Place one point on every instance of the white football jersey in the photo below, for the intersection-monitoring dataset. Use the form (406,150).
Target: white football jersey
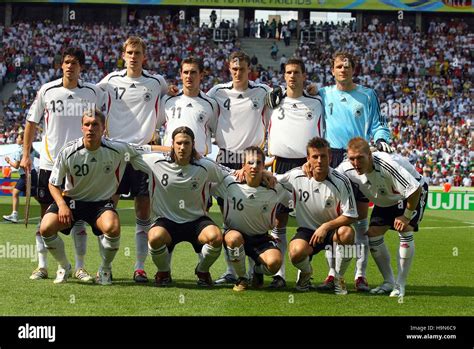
(242,122)
(198,113)
(93,175)
(133,111)
(393,179)
(247,209)
(179,193)
(62,109)
(319,202)
(292,124)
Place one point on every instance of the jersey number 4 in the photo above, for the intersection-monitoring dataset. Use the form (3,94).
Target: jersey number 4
(227,104)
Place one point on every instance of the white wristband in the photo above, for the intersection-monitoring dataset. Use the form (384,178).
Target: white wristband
(408,213)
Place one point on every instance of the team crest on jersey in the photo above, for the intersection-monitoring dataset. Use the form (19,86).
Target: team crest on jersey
(255,103)
(194,185)
(264,208)
(329,202)
(358,111)
(201,117)
(309,115)
(107,167)
(147,97)
(381,191)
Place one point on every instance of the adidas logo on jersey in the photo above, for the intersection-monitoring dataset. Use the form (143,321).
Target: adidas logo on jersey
(295,106)
(93,160)
(133,86)
(189,105)
(240,96)
(251,196)
(180,175)
(316,190)
(70,97)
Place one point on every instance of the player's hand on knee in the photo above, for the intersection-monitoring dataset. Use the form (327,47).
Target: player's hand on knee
(401,223)
(384,146)
(64,214)
(318,236)
(273,98)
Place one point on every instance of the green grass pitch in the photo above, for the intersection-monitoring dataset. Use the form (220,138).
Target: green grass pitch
(439,284)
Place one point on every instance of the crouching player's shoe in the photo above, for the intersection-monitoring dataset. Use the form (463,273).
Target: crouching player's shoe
(327,285)
(225,279)
(39,273)
(398,291)
(163,279)
(241,285)
(62,275)
(385,288)
(278,282)
(204,278)
(82,275)
(103,277)
(303,284)
(362,285)
(140,276)
(340,286)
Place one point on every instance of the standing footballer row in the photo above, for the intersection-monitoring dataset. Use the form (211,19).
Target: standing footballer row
(309,134)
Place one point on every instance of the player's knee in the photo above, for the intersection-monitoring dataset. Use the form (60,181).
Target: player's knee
(274,264)
(297,252)
(346,235)
(215,237)
(233,239)
(111,229)
(158,237)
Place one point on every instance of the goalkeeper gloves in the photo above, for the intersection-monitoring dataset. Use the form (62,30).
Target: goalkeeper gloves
(273,98)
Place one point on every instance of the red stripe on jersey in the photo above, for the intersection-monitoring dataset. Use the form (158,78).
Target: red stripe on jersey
(272,216)
(47,117)
(319,127)
(156,106)
(203,195)
(394,191)
(109,103)
(226,210)
(338,208)
(117,173)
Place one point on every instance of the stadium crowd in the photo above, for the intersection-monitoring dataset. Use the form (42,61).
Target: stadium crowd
(423,79)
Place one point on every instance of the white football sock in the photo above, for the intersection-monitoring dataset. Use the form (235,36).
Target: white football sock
(342,262)
(209,256)
(362,247)
(237,259)
(405,256)
(161,258)
(55,246)
(331,259)
(111,246)
(141,241)
(304,265)
(280,235)
(79,235)
(230,268)
(380,253)
(41,249)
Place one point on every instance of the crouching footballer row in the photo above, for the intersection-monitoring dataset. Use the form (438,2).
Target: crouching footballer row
(88,171)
